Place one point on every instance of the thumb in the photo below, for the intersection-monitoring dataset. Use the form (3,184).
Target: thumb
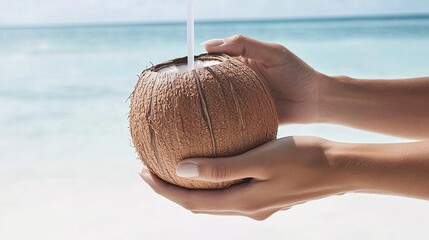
(238,45)
(218,169)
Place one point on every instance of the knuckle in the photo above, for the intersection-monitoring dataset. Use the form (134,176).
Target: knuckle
(157,190)
(282,51)
(193,203)
(260,217)
(279,47)
(188,203)
(263,215)
(188,206)
(220,171)
(237,38)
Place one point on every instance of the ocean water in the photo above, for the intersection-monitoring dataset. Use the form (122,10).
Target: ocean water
(67,168)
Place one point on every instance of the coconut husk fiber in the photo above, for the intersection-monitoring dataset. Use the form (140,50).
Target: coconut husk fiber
(216,111)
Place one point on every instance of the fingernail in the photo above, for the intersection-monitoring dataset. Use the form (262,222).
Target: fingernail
(213,42)
(187,170)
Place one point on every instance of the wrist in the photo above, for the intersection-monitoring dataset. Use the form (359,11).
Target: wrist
(335,92)
(395,169)
(360,166)
(343,161)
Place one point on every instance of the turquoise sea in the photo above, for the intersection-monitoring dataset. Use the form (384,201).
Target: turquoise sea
(67,168)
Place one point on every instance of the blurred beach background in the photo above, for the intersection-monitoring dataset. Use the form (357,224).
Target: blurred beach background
(67,167)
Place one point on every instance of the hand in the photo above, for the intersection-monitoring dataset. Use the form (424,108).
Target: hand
(293,83)
(303,95)
(282,173)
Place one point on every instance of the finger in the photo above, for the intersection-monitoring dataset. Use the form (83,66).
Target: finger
(163,188)
(238,45)
(231,199)
(220,169)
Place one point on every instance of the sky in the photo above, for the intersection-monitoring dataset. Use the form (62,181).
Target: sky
(30,12)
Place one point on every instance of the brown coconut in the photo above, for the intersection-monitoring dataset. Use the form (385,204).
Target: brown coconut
(216,111)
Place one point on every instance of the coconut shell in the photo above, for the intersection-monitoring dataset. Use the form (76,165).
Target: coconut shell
(217,111)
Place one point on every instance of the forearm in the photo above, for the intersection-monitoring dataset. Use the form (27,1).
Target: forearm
(396,107)
(397,169)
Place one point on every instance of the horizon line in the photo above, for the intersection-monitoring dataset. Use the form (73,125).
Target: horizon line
(217,21)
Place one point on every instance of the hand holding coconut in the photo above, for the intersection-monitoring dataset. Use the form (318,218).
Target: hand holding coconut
(281,174)
(295,170)
(293,84)
(304,95)
(290,171)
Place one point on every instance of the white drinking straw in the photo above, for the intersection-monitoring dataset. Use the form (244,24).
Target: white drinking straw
(190,31)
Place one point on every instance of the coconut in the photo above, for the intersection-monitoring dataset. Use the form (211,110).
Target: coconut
(220,109)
